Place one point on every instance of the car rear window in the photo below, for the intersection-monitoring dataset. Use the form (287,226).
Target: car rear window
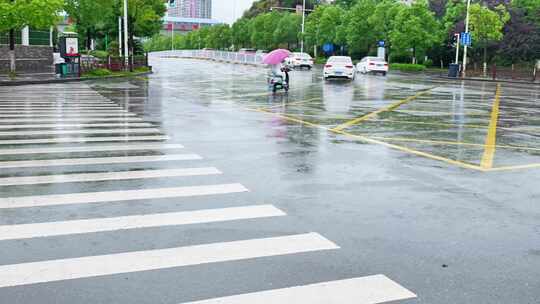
(340,60)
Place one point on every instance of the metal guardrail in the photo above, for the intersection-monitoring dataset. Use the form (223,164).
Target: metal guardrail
(232,57)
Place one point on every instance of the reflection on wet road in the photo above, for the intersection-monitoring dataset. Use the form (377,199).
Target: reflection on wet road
(441,120)
(197,185)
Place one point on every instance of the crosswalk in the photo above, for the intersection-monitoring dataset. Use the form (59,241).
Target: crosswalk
(105,137)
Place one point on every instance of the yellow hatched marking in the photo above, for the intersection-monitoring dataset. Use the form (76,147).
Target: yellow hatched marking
(382,110)
(491,137)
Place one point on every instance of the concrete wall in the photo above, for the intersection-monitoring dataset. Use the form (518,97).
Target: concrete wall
(34,58)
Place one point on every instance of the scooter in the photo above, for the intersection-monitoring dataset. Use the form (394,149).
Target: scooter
(278,82)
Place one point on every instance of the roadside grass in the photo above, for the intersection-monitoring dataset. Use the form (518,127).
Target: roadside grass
(108,73)
(407,67)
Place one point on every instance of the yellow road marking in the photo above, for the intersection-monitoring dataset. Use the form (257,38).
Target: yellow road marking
(291,103)
(385,109)
(491,137)
(427,123)
(441,113)
(373,141)
(456,143)
(519,167)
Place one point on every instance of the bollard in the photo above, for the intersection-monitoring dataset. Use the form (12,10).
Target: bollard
(494,71)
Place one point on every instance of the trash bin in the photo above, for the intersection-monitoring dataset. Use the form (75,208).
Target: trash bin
(453,70)
(59,69)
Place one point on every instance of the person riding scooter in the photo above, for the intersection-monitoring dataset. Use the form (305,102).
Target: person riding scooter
(279,78)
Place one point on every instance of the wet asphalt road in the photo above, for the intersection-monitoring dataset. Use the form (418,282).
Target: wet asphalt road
(412,193)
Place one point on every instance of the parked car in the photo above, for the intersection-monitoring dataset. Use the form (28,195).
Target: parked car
(300,60)
(372,65)
(339,67)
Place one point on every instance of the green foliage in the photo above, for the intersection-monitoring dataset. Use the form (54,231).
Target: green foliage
(415,29)
(145,17)
(99,54)
(34,13)
(487,25)
(407,67)
(98,73)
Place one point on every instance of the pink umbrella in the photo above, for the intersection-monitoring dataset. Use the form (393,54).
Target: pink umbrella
(276,56)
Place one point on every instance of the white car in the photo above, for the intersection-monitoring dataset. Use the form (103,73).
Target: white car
(300,60)
(372,65)
(339,67)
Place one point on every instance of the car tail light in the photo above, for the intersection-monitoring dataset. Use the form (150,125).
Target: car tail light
(386,64)
(328,66)
(349,66)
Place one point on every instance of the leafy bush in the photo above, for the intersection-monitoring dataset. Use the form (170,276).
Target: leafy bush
(99,54)
(428,63)
(98,73)
(407,67)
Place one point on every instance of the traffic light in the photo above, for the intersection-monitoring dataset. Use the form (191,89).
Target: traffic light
(172,3)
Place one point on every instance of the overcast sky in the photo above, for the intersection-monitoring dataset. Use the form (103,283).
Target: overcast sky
(223,10)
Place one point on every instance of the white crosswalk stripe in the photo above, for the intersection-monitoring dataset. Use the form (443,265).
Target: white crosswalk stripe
(92,266)
(86,125)
(39,107)
(95,161)
(69,115)
(65,119)
(60,111)
(117,196)
(108,148)
(106,176)
(58,140)
(363,290)
(81,111)
(24,231)
(87,131)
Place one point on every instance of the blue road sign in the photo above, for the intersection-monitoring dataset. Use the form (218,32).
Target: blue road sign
(466,39)
(381,43)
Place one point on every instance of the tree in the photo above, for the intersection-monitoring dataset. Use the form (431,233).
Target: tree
(144,18)
(90,16)
(415,29)
(240,33)
(382,20)
(313,28)
(487,25)
(359,33)
(331,19)
(287,30)
(17,14)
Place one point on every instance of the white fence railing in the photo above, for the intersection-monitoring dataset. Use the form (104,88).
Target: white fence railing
(232,57)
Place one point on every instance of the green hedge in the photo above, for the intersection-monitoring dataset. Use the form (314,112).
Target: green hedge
(407,67)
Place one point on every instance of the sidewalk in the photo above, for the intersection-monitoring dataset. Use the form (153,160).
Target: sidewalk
(44,78)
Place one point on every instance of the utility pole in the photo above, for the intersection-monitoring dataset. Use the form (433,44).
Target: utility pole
(126,45)
(303,25)
(120,45)
(465,45)
(457,37)
(172,36)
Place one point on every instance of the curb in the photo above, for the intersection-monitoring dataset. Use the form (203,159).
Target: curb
(66,80)
(490,80)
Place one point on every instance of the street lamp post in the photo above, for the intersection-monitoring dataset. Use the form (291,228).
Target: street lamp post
(303,25)
(465,45)
(126,45)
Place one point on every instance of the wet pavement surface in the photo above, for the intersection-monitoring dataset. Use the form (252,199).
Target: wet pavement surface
(197,183)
